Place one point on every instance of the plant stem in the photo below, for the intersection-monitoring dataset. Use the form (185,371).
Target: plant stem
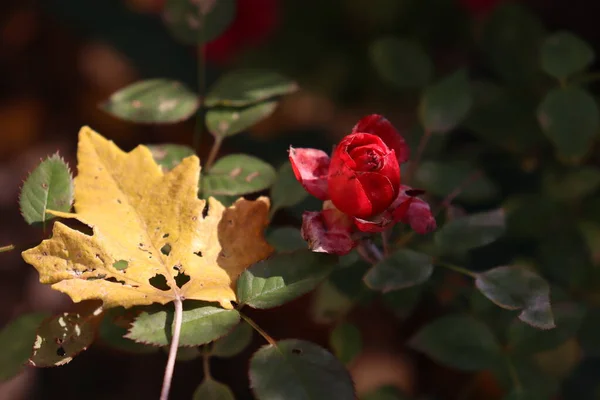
(164,394)
(514,377)
(458,190)
(456,268)
(7,248)
(412,167)
(206,363)
(213,153)
(199,130)
(259,330)
(385,240)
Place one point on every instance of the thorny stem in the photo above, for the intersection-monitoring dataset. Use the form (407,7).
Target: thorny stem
(259,330)
(412,167)
(7,248)
(213,152)
(164,395)
(201,88)
(456,268)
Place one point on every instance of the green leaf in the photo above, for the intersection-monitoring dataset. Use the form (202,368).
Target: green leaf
(590,332)
(531,380)
(61,338)
(48,187)
(16,340)
(346,342)
(236,175)
(234,342)
(572,185)
(286,239)
(222,122)
(298,370)
(282,277)
(387,392)
(517,288)
(154,101)
(242,88)
(520,394)
(402,269)
(512,37)
(565,54)
(441,179)
(210,389)
(458,341)
(286,191)
(328,304)
(114,327)
(525,340)
(196,22)
(168,155)
(475,230)
(201,324)
(570,119)
(403,302)
(446,103)
(401,62)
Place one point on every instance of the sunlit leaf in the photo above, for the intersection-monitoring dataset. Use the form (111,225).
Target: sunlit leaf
(168,155)
(300,370)
(48,187)
(222,122)
(154,101)
(210,389)
(238,174)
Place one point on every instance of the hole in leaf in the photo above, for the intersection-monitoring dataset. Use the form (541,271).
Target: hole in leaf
(205,210)
(119,201)
(414,192)
(120,265)
(296,351)
(115,280)
(166,249)
(198,253)
(61,352)
(166,235)
(181,279)
(160,282)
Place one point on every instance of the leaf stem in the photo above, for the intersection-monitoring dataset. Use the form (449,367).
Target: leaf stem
(412,167)
(206,362)
(456,268)
(385,240)
(514,377)
(164,395)
(370,252)
(213,153)
(458,190)
(7,248)
(199,129)
(259,330)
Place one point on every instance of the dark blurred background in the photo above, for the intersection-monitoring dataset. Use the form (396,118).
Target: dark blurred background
(60,58)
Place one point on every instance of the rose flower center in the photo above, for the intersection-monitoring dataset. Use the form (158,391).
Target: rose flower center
(367,158)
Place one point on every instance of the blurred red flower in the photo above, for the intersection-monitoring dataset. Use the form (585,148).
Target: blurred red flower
(479,7)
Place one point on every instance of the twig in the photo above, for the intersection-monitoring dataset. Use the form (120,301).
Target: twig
(164,394)
(259,330)
(213,152)
(456,268)
(206,362)
(412,167)
(7,248)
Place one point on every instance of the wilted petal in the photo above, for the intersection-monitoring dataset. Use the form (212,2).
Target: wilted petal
(414,211)
(311,167)
(378,125)
(328,231)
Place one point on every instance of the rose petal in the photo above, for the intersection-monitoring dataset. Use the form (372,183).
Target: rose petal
(328,231)
(346,191)
(407,209)
(311,167)
(378,125)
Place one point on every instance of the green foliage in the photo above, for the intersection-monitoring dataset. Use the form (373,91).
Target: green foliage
(48,187)
(228,121)
(286,191)
(329,304)
(402,269)
(16,340)
(285,239)
(237,174)
(401,62)
(465,233)
(114,327)
(211,389)
(458,341)
(155,101)
(243,88)
(201,324)
(565,54)
(446,103)
(168,155)
(346,342)
(385,393)
(570,119)
(196,22)
(282,277)
(234,342)
(517,288)
(298,370)
(60,338)
(402,302)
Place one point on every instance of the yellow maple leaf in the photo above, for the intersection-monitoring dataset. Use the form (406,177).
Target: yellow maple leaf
(147,223)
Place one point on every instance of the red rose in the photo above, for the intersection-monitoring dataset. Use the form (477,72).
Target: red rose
(362,182)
